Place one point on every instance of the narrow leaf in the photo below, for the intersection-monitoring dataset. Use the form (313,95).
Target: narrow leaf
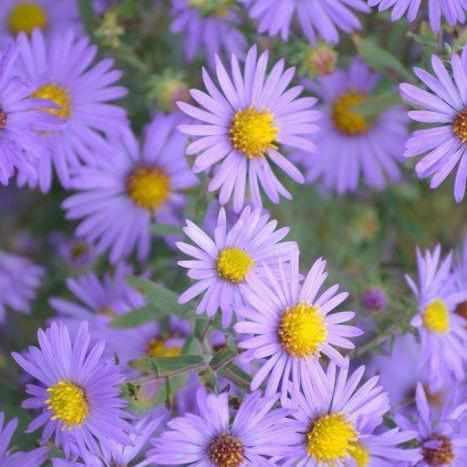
(236,375)
(163,367)
(223,357)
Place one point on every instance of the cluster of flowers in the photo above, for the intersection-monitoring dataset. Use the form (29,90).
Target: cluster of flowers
(307,405)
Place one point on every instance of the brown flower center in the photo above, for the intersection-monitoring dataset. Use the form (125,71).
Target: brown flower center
(3,119)
(442,455)
(459,126)
(461,310)
(226,451)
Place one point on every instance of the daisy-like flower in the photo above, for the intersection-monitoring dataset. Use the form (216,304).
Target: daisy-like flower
(289,326)
(62,70)
(50,16)
(243,127)
(75,252)
(210,438)
(207,26)
(77,391)
(222,265)
(21,121)
(121,196)
(33,458)
(350,143)
(444,107)
(400,379)
(19,281)
(452,10)
(334,414)
(318,19)
(441,433)
(442,334)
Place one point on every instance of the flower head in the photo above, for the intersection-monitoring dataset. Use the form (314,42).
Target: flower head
(256,433)
(62,70)
(318,19)
(222,266)
(452,10)
(209,27)
(350,142)
(74,251)
(77,391)
(49,16)
(444,107)
(336,418)
(17,459)
(441,330)
(19,281)
(440,433)
(289,327)
(243,126)
(119,197)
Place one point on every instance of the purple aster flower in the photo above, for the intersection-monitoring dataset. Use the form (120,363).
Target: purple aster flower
(335,418)
(19,281)
(289,326)
(76,252)
(257,432)
(243,127)
(221,266)
(33,458)
(452,10)
(401,369)
(350,143)
(21,121)
(121,196)
(77,391)
(442,333)
(320,18)
(208,27)
(50,16)
(374,299)
(62,69)
(444,107)
(441,433)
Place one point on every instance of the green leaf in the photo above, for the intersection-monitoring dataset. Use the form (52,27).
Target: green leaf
(163,367)
(135,318)
(164,230)
(223,357)
(236,375)
(87,14)
(379,58)
(375,105)
(162,300)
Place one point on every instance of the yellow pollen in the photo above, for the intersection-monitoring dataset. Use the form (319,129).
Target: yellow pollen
(443,455)
(360,455)
(226,451)
(331,438)
(59,96)
(459,126)
(149,187)
(233,264)
(158,348)
(302,330)
(253,132)
(345,119)
(25,17)
(436,317)
(68,403)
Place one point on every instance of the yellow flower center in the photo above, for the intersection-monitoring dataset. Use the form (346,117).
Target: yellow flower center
(149,187)
(360,455)
(459,126)
(331,437)
(345,119)
(442,455)
(226,451)
(302,330)
(253,132)
(59,96)
(25,17)
(68,403)
(436,317)
(158,348)
(233,264)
